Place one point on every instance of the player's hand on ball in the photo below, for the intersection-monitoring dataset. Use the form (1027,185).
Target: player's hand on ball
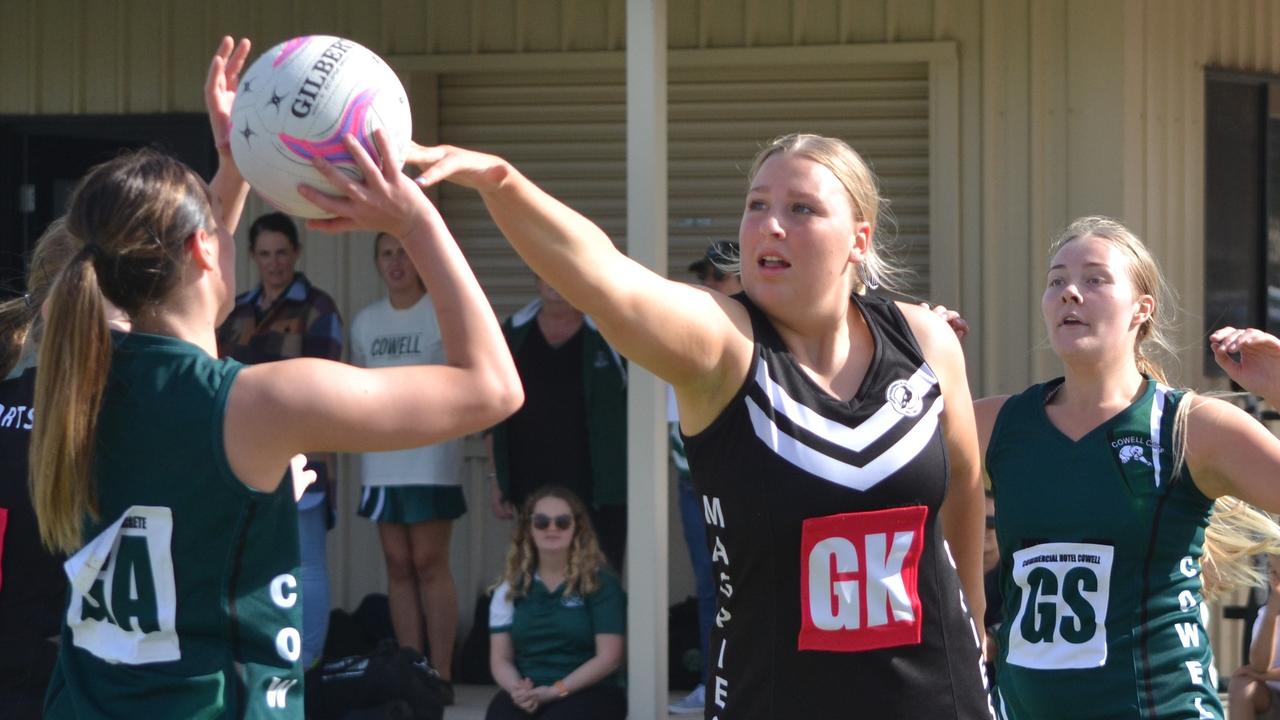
(220,88)
(384,200)
(468,168)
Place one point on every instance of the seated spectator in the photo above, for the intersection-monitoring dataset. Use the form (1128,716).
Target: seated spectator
(557,618)
(1255,688)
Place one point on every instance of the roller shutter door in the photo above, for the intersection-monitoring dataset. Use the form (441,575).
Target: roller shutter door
(567,131)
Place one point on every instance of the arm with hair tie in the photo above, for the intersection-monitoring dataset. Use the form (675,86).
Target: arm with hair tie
(228,186)
(1227,450)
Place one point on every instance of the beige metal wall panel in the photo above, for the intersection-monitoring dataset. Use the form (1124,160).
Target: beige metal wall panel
(962,20)
(133,55)
(1052,150)
(18,58)
(1164,133)
(565,131)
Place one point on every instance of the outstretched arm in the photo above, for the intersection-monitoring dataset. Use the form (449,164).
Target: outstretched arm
(229,188)
(693,338)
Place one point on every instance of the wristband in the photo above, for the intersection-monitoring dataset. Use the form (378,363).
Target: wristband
(562,688)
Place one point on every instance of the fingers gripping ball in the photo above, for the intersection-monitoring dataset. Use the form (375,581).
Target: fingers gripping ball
(297,101)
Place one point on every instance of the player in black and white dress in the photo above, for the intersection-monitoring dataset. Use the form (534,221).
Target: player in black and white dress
(830,436)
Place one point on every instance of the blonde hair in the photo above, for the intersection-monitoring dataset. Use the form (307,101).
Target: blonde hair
(1145,275)
(134,213)
(20,326)
(877,269)
(1237,530)
(586,560)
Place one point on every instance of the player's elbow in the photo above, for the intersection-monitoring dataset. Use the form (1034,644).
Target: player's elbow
(502,395)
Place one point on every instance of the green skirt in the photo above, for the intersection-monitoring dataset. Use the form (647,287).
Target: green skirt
(409,504)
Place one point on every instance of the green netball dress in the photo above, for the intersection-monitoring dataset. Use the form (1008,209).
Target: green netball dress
(1100,546)
(184,601)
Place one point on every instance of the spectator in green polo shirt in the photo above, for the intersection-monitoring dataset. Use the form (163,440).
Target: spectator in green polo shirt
(557,618)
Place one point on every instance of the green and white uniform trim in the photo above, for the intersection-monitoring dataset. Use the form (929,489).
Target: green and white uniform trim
(185,600)
(1100,548)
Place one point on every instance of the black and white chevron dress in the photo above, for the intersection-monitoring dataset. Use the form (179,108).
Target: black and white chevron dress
(837,598)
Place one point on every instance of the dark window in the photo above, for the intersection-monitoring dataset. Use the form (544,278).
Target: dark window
(1242,204)
(43,157)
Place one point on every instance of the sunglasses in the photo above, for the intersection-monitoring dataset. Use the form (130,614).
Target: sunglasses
(542,522)
(991,522)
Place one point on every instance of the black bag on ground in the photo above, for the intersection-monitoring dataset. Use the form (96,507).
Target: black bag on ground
(360,632)
(391,682)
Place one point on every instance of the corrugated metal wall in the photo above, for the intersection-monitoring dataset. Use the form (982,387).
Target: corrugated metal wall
(1067,107)
(150,56)
(566,131)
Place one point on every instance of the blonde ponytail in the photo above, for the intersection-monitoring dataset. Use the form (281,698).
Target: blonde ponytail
(1237,531)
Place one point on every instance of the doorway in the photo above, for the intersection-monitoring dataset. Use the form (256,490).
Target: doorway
(42,158)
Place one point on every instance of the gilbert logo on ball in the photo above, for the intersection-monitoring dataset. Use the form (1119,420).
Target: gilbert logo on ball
(297,101)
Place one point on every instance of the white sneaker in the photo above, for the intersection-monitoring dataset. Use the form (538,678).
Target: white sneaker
(694,702)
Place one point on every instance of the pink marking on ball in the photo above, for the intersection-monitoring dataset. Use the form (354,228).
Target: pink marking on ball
(290,48)
(353,122)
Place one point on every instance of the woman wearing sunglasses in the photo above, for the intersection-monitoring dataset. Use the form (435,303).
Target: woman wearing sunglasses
(557,618)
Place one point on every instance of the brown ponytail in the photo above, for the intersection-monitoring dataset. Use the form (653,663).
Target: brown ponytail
(74,359)
(135,214)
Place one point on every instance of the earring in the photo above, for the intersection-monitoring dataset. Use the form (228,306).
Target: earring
(870,279)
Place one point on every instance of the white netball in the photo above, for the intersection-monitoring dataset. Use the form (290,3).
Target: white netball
(297,101)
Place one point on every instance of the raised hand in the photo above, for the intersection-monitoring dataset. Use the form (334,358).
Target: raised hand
(463,167)
(220,88)
(384,200)
(1257,365)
